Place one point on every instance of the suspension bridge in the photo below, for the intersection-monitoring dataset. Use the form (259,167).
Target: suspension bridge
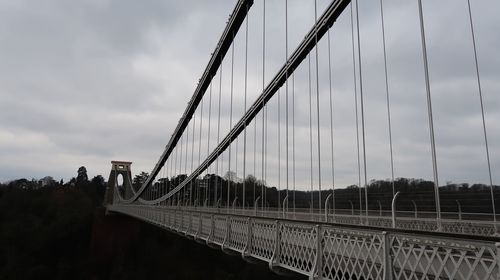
(271,159)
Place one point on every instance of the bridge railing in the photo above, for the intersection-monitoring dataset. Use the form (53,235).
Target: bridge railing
(403,220)
(326,251)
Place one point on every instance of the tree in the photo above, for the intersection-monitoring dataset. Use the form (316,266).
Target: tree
(139,180)
(231,176)
(251,179)
(98,181)
(82,176)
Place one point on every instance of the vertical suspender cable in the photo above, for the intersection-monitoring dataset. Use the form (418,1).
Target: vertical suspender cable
(387,96)
(279,150)
(207,193)
(162,184)
(180,160)
(331,119)
(356,111)
(254,157)
(264,105)
(192,156)
(293,141)
(317,109)
(245,105)
(185,165)
(222,170)
(262,163)
(197,181)
(265,154)
(175,172)
(480,92)
(162,181)
(230,123)
(186,154)
(362,110)
(236,169)
(216,197)
(310,134)
(429,113)
(165,170)
(172,174)
(286,96)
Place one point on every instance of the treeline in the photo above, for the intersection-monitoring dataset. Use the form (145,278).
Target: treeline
(45,228)
(228,190)
(58,230)
(47,225)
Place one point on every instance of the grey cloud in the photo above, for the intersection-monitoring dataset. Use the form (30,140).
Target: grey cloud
(86,82)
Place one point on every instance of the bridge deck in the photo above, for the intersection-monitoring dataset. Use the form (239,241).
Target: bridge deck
(332,251)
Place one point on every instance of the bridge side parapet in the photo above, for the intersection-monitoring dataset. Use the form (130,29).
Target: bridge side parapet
(326,251)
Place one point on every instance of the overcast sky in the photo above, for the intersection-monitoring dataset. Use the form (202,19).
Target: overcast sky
(85,82)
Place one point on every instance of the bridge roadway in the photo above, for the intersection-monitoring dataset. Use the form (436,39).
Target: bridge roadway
(331,250)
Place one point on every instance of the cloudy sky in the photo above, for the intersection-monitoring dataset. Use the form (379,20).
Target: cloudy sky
(89,81)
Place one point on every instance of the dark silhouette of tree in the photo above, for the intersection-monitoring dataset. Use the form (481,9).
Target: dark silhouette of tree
(139,180)
(82,177)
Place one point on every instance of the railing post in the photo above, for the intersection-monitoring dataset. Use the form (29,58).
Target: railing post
(170,218)
(393,208)
(228,233)
(497,245)
(182,220)
(379,208)
(255,205)
(317,268)
(276,252)
(218,205)
(415,207)
(352,208)
(248,244)
(212,226)
(326,207)
(388,273)
(285,200)
(190,222)
(234,204)
(198,231)
(459,210)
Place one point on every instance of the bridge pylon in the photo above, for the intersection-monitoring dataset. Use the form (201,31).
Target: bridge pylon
(119,168)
